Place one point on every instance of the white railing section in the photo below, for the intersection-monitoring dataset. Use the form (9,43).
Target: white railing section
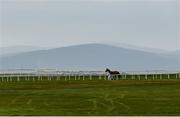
(50,77)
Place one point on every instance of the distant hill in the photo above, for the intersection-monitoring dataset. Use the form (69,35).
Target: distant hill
(91,57)
(177,52)
(6,51)
(140,48)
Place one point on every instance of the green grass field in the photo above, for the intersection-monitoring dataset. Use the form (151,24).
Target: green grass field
(96,97)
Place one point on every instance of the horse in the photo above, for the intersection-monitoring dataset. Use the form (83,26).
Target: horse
(111,73)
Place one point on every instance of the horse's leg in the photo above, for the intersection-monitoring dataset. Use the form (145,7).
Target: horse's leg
(109,77)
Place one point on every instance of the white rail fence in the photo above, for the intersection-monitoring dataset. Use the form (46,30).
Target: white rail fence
(66,77)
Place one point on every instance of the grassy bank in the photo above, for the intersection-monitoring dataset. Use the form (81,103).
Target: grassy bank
(96,97)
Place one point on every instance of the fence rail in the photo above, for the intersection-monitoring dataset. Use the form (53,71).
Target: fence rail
(49,77)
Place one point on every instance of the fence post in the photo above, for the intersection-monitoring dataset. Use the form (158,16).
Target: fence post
(25,77)
(6,78)
(146,76)
(38,77)
(90,77)
(140,77)
(33,77)
(99,77)
(60,76)
(51,78)
(161,76)
(75,77)
(41,77)
(132,76)
(47,76)
(168,76)
(18,79)
(83,77)
(69,77)
(57,77)
(10,78)
(79,77)
(116,77)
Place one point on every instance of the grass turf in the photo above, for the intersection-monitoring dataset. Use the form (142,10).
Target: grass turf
(96,97)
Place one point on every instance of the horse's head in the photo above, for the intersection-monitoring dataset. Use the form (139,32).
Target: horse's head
(107,70)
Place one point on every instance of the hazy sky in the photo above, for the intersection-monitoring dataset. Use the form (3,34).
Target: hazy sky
(149,23)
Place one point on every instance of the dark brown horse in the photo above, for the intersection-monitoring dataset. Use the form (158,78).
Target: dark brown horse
(111,73)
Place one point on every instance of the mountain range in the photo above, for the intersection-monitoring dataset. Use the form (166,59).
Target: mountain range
(92,57)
